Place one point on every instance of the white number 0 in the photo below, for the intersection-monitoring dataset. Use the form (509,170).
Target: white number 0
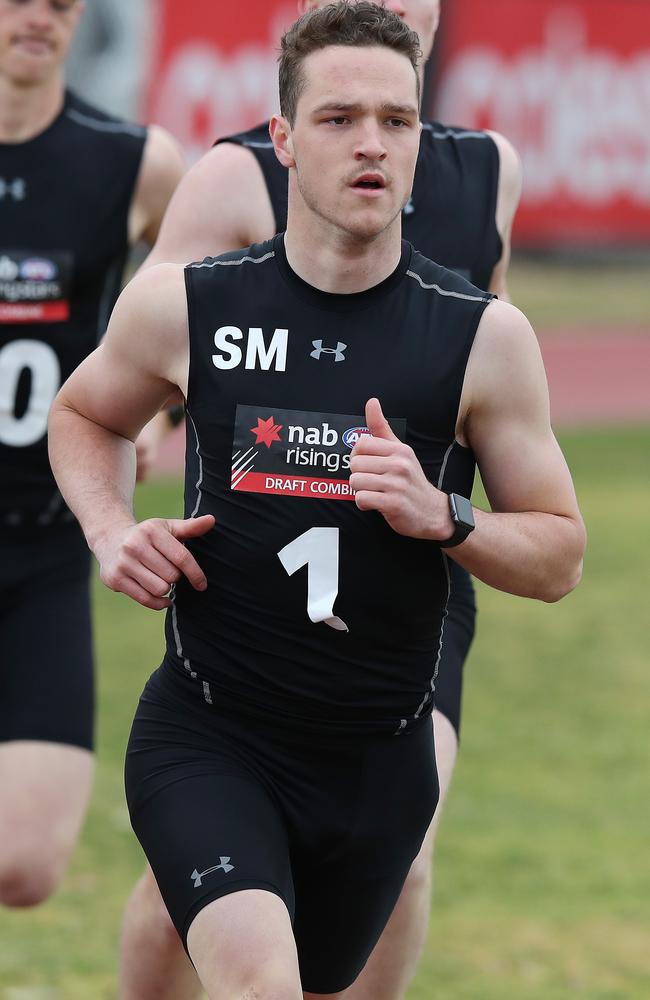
(46,378)
(318,549)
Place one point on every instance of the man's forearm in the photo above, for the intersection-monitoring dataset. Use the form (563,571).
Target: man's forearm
(94,469)
(531,554)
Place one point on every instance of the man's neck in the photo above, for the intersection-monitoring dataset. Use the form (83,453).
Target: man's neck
(335,261)
(26,111)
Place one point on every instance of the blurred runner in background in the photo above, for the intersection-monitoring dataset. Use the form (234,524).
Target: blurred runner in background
(77,188)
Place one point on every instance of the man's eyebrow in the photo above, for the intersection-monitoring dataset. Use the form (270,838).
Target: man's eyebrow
(336,106)
(400,109)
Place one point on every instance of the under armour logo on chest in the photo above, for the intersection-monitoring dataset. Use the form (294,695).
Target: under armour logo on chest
(16,189)
(338,351)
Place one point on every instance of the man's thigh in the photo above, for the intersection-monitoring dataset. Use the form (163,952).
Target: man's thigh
(242,945)
(206,822)
(221,808)
(44,793)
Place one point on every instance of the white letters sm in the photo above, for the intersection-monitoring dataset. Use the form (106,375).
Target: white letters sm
(258,355)
(257,350)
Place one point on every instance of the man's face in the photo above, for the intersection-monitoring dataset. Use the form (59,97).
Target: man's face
(356,135)
(421,16)
(35,36)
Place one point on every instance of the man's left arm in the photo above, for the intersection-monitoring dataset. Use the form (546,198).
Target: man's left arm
(508,195)
(532,540)
(161,170)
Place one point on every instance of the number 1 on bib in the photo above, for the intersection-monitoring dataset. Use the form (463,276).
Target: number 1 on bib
(318,549)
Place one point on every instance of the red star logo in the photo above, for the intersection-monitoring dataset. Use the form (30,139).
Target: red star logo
(267,431)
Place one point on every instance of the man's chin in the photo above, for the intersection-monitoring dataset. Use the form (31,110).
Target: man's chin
(367,225)
(32,73)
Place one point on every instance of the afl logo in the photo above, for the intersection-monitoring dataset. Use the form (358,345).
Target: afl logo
(352,435)
(38,269)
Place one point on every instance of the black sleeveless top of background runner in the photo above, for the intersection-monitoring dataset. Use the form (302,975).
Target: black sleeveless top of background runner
(315,611)
(64,203)
(450,217)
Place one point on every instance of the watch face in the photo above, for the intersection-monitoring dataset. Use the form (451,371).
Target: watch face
(464,512)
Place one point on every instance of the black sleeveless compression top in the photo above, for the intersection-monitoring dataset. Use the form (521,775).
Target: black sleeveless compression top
(450,216)
(316,612)
(64,203)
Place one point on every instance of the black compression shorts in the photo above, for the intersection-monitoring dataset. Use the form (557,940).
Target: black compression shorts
(220,805)
(456,640)
(46,671)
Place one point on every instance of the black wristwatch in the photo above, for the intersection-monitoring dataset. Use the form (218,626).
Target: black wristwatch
(463,517)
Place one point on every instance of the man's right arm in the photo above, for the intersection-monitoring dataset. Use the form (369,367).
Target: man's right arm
(94,421)
(221,204)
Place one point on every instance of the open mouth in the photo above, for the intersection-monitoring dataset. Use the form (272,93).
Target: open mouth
(369,182)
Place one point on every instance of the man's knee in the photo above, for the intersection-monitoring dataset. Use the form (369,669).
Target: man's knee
(29,880)
(151,907)
(418,880)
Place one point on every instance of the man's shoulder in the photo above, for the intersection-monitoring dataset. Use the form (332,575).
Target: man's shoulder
(254,138)
(256,253)
(459,146)
(95,121)
(433,277)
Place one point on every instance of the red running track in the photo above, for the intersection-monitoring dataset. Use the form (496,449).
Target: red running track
(594,379)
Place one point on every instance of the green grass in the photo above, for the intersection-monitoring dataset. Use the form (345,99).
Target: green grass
(611,296)
(542,878)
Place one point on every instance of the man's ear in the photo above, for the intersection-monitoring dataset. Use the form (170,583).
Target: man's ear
(282,138)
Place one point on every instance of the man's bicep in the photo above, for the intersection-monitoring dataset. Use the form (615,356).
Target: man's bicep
(162,168)
(523,469)
(114,393)
(508,427)
(142,359)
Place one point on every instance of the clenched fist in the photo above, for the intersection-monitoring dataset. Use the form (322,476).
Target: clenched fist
(387,477)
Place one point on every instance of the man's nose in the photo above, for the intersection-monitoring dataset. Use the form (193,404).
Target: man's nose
(370,145)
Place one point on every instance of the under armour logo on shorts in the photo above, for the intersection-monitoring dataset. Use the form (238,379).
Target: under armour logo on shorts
(337,351)
(223,866)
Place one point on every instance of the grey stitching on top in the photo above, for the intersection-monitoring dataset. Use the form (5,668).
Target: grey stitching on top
(443,467)
(445,291)
(445,563)
(101,126)
(235,263)
(467,134)
(259,145)
(199,482)
(177,639)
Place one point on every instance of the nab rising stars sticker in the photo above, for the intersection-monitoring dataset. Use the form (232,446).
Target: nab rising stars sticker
(296,453)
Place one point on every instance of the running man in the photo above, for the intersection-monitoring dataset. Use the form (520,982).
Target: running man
(76,189)
(465,194)
(338,387)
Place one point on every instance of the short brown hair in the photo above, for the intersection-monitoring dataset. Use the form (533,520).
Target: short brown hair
(341,23)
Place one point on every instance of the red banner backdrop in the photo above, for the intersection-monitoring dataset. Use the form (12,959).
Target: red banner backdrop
(214,67)
(568,81)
